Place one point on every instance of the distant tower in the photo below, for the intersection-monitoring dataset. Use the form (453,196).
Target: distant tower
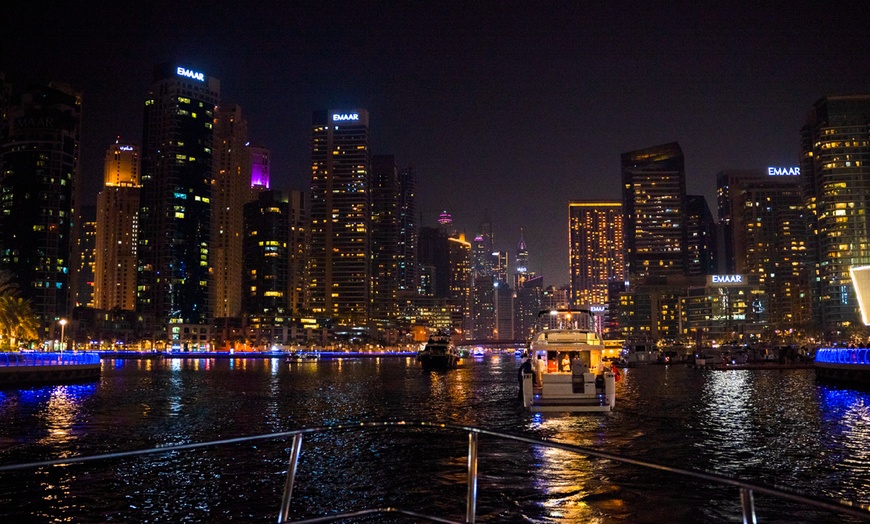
(340,216)
(521,273)
(86,239)
(653,200)
(260,170)
(230,192)
(385,237)
(117,231)
(39,154)
(175,212)
(409,230)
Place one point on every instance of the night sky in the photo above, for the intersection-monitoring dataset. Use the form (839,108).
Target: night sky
(506,110)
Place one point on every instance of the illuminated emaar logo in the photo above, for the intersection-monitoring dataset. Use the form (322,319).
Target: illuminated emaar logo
(188,73)
(783,171)
(125,148)
(727,279)
(343,117)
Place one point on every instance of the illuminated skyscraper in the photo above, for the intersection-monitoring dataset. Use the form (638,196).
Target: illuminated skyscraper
(175,213)
(835,166)
(230,192)
(115,260)
(340,216)
(39,154)
(597,259)
(654,200)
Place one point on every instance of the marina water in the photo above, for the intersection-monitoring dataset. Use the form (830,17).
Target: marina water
(767,426)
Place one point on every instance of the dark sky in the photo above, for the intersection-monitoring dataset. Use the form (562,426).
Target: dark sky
(507,110)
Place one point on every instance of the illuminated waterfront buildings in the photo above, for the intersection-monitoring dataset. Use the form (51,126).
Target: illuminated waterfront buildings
(175,213)
(39,156)
(409,231)
(230,191)
(835,166)
(340,216)
(117,230)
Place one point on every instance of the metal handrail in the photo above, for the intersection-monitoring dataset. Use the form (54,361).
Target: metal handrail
(746,489)
(54,358)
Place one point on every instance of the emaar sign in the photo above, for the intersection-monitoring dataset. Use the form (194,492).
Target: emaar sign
(344,117)
(188,73)
(783,171)
(718,280)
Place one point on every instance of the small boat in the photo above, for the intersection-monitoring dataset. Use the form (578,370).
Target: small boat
(439,353)
(304,356)
(568,367)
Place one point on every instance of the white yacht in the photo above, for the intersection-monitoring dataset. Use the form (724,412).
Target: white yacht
(569,373)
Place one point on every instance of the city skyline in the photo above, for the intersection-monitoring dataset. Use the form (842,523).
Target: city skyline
(505,115)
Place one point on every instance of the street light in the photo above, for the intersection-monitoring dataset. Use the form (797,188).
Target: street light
(62,326)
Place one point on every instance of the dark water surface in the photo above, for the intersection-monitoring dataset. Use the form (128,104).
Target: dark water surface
(770,426)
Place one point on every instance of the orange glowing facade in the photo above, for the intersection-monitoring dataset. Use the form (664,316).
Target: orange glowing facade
(117,230)
(596,250)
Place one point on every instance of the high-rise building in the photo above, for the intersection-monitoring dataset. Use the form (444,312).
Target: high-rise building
(340,216)
(596,255)
(409,230)
(775,251)
(39,154)
(729,200)
(459,299)
(385,236)
(268,255)
(700,237)
(764,218)
(521,263)
(835,166)
(85,238)
(653,200)
(230,191)
(175,212)
(117,231)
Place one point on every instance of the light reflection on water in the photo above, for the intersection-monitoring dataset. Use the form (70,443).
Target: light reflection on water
(771,427)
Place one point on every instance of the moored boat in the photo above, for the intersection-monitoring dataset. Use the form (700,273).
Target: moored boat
(568,367)
(439,353)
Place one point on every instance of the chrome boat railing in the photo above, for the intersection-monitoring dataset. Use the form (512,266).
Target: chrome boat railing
(746,490)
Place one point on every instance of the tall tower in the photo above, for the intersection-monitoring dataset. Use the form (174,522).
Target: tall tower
(175,214)
(117,235)
(700,237)
(230,192)
(835,166)
(521,272)
(39,153)
(340,216)
(596,254)
(409,230)
(654,200)
(385,237)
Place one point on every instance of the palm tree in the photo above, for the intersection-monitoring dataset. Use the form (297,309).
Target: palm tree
(17,321)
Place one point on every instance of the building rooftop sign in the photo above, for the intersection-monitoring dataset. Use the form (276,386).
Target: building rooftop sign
(783,171)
